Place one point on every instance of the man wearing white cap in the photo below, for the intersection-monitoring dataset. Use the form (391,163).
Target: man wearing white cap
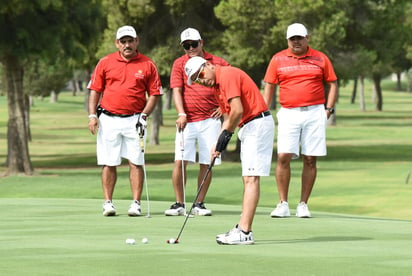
(301,73)
(198,121)
(124,89)
(243,106)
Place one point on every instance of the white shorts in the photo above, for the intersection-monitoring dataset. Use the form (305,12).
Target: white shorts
(117,138)
(205,133)
(302,127)
(257,146)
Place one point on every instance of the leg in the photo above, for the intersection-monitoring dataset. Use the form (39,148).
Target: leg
(109,177)
(250,200)
(283,175)
(308,177)
(136,177)
(202,171)
(177,180)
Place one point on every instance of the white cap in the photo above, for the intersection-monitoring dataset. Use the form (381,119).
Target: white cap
(192,66)
(189,34)
(296,29)
(126,31)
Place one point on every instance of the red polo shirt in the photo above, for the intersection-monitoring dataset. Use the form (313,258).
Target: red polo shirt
(232,82)
(301,79)
(125,83)
(198,100)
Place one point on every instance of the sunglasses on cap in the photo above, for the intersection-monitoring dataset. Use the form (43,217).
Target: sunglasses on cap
(193,44)
(200,75)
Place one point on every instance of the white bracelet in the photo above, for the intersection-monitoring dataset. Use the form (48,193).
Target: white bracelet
(92,116)
(182,114)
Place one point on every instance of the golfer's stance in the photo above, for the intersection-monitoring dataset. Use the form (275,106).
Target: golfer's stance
(120,83)
(243,106)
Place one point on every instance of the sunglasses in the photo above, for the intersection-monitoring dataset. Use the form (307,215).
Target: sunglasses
(201,75)
(193,44)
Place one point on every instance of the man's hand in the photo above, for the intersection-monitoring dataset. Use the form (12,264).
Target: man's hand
(181,122)
(141,123)
(93,125)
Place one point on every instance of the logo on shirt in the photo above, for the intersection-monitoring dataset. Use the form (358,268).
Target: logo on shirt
(139,74)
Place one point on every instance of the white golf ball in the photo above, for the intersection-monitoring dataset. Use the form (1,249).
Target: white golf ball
(131,241)
(145,240)
(172,240)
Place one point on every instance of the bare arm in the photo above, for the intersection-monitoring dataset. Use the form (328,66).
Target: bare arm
(94,98)
(178,101)
(332,95)
(229,125)
(236,111)
(151,104)
(268,92)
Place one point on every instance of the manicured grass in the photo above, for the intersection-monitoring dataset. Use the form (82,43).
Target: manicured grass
(52,223)
(68,237)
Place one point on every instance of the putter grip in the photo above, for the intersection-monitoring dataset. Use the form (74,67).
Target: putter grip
(141,141)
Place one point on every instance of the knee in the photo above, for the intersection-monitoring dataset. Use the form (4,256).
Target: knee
(309,161)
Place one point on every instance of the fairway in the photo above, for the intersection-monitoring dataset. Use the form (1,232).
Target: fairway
(362,220)
(70,237)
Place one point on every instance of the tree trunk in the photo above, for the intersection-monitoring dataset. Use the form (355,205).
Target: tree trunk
(355,88)
(168,103)
(18,157)
(53,96)
(156,123)
(362,94)
(398,82)
(378,90)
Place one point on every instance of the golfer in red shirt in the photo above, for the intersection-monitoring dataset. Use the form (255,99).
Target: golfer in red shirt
(197,125)
(127,86)
(301,73)
(243,106)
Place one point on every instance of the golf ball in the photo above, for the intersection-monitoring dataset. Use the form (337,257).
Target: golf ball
(145,240)
(130,241)
(172,240)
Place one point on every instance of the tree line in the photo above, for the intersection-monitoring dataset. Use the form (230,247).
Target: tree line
(43,42)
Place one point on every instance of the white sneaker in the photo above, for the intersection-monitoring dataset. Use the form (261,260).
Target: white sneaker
(281,210)
(177,209)
(108,209)
(236,237)
(200,210)
(134,209)
(302,211)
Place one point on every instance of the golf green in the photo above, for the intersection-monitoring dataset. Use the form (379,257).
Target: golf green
(71,237)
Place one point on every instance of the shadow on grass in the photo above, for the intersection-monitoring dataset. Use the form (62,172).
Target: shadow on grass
(315,239)
(378,153)
(89,160)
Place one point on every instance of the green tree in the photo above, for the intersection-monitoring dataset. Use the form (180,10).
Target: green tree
(31,30)
(246,40)
(159,24)
(378,28)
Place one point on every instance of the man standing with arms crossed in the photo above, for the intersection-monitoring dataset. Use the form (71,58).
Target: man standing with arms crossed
(198,121)
(242,106)
(301,73)
(118,110)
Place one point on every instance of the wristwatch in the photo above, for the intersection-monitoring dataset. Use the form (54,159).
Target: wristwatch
(330,109)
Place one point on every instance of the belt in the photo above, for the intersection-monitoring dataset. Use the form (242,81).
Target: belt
(305,108)
(260,115)
(108,113)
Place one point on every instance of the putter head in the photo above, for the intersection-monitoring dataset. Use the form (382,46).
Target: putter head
(148,216)
(172,241)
